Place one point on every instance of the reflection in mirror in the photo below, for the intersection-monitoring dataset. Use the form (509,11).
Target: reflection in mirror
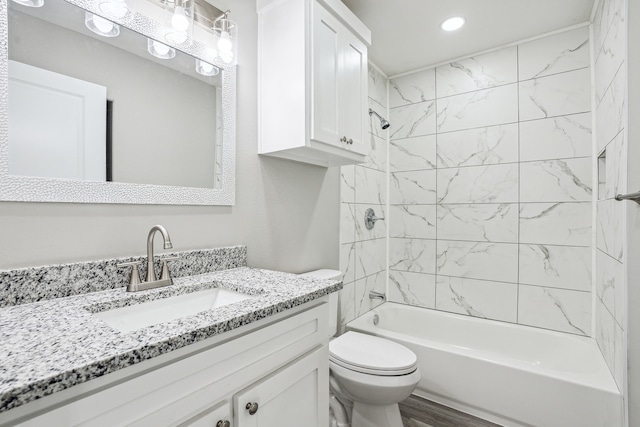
(125,109)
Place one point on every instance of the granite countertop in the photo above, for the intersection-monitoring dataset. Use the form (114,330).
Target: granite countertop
(51,345)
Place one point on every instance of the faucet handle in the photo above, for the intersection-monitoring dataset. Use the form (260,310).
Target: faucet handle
(166,274)
(135,273)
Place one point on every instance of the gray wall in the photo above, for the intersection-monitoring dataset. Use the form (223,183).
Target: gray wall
(287,213)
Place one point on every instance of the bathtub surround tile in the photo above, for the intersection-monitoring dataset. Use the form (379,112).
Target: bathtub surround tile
(479,222)
(564,267)
(609,59)
(413,120)
(567,180)
(376,282)
(377,155)
(557,309)
(610,285)
(486,107)
(610,111)
(481,146)
(347,305)
(348,262)
(348,184)
(412,88)
(371,186)
(615,182)
(416,255)
(561,52)
(619,355)
(371,257)
(410,288)
(347,223)
(605,334)
(479,72)
(379,231)
(377,86)
(556,223)
(609,226)
(413,221)
(478,184)
(409,188)
(478,260)
(610,13)
(32,284)
(477,298)
(412,154)
(556,138)
(556,95)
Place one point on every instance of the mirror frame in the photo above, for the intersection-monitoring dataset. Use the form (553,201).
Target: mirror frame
(37,189)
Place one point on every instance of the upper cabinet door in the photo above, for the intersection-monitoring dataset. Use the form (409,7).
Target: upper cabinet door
(325,76)
(352,105)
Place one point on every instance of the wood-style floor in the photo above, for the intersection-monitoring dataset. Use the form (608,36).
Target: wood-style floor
(418,412)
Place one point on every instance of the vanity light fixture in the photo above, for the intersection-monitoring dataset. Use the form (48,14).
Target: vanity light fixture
(160,50)
(453,24)
(179,15)
(30,3)
(102,27)
(227,32)
(206,69)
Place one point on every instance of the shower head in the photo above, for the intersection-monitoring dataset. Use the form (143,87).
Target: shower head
(384,123)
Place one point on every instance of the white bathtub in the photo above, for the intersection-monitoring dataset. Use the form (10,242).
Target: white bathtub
(509,374)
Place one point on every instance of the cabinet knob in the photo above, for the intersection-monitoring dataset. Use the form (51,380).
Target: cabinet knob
(252,407)
(224,423)
(343,139)
(350,141)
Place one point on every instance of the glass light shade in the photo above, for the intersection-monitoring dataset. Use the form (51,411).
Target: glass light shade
(226,31)
(206,69)
(102,27)
(116,8)
(30,3)
(160,50)
(179,20)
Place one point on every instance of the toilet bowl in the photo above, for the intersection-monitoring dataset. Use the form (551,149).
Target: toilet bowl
(369,375)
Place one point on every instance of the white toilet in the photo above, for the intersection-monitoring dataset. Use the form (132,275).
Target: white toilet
(369,375)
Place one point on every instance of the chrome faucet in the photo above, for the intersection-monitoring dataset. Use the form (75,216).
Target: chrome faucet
(151,281)
(151,272)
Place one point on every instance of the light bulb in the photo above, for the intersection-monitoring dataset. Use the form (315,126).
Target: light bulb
(30,3)
(102,24)
(162,49)
(177,38)
(227,57)
(179,19)
(224,43)
(206,69)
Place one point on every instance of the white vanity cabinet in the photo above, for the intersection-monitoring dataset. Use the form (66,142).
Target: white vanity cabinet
(313,78)
(279,363)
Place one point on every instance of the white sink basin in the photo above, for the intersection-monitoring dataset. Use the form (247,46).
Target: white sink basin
(130,318)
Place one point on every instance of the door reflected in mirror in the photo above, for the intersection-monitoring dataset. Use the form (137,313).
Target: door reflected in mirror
(92,108)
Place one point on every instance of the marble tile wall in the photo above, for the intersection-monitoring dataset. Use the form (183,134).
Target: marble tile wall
(490,185)
(609,47)
(363,253)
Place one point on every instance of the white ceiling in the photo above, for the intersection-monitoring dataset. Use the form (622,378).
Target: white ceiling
(406,34)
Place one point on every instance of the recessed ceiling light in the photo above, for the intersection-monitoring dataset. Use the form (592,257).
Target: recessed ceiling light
(452,24)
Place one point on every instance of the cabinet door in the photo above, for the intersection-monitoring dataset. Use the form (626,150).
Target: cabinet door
(297,395)
(216,416)
(325,74)
(352,102)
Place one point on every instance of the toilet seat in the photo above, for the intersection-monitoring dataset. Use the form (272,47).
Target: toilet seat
(372,355)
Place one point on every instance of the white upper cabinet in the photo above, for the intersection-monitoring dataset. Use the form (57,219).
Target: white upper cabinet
(312,82)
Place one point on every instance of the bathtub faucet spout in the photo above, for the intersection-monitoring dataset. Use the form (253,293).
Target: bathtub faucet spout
(377,295)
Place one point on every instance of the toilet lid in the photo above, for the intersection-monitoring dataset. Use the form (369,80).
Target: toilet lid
(372,355)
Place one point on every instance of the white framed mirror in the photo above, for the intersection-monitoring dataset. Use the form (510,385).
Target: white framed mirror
(147,130)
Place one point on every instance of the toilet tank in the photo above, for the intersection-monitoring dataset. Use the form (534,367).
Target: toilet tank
(333,298)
